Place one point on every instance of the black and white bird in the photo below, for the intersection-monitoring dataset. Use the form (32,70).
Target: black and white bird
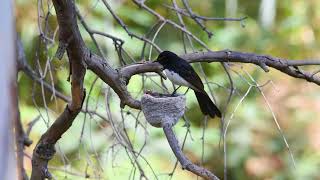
(180,72)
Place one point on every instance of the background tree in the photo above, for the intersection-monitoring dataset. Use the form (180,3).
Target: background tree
(102,132)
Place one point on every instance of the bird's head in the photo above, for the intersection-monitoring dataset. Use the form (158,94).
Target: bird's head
(165,57)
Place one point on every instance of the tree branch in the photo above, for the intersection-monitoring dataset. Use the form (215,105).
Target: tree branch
(118,79)
(286,66)
(203,18)
(184,161)
(193,16)
(68,30)
(21,138)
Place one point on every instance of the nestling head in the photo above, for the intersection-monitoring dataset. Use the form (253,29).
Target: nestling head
(165,57)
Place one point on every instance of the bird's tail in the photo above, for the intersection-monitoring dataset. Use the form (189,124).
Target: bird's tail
(206,105)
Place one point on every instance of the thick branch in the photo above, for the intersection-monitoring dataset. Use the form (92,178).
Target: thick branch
(119,79)
(113,78)
(288,67)
(69,31)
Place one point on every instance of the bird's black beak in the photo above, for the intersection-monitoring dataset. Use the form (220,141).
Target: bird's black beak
(160,72)
(159,59)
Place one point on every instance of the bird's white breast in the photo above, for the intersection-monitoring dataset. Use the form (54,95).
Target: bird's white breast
(176,79)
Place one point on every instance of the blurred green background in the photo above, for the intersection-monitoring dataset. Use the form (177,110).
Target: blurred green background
(255,149)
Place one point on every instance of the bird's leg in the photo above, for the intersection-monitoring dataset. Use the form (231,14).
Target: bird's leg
(186,122)
(174,87)
(175,90)
(186,91)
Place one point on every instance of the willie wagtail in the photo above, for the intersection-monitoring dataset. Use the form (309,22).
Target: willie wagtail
(180,72)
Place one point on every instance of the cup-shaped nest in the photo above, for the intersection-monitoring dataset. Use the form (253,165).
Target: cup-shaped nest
(161,109)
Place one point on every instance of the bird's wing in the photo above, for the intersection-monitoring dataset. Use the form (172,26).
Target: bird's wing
(188,73)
